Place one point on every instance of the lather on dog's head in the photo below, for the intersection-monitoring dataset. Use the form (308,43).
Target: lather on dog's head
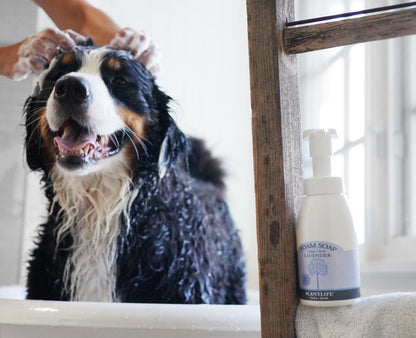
(92,105)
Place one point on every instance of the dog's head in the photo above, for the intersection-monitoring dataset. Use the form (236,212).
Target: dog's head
(91,106)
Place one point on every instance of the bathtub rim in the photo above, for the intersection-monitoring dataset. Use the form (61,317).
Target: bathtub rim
(224,318)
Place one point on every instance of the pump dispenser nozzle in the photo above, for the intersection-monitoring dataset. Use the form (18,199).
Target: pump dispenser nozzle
(320,149)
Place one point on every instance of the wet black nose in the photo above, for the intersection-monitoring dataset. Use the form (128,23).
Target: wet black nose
(72,90)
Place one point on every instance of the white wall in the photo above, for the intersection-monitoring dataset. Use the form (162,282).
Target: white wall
(12,170)
(205,69)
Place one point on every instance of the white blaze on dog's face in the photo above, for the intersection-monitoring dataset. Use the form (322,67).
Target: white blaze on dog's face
(94,110)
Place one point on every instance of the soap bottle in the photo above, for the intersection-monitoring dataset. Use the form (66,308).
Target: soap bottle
(328,263)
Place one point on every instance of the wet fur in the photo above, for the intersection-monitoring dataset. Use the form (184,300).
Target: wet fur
(169,238)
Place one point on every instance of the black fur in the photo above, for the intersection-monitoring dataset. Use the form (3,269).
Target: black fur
(182,246)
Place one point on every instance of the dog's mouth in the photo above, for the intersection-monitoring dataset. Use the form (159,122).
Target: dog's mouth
(76,145)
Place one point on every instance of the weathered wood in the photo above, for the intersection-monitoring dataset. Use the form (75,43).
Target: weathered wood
(277,162)
(373,27)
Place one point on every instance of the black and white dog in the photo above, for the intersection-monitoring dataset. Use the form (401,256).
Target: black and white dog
(136,209)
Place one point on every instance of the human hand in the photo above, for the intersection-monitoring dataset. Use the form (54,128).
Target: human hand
(39,49)
(140,45)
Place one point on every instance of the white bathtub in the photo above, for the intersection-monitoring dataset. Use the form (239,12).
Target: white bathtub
(41,319)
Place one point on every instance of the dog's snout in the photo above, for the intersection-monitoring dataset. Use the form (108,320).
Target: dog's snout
(72,90)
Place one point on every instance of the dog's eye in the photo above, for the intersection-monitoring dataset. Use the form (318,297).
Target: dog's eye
(119,82)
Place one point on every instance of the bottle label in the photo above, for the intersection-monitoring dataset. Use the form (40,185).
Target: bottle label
(327,272)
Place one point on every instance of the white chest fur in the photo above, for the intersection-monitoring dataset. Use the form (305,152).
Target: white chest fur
(93,207)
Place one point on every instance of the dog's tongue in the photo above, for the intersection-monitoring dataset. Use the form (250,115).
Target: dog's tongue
(74,137)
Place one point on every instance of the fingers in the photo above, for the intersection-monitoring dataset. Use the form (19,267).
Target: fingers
(55,37)
(75,36)
(150,59)
(139,44)
(122,39)
(39,49)
(141,47)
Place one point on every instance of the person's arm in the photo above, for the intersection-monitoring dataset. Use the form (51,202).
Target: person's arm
(8,58)
(81,17)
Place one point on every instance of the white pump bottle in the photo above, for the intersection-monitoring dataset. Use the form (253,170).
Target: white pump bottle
(328,262)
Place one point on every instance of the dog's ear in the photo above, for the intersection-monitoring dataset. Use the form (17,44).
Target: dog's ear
(164,158)
(173,151)
(39,152)
(178,152)
(88,42)
(32,135)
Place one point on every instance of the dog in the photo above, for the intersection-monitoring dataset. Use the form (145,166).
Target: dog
(136,208)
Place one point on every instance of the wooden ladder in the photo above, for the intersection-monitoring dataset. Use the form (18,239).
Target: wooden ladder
(276,128)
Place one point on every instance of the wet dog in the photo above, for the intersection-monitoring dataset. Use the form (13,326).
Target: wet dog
(136,208)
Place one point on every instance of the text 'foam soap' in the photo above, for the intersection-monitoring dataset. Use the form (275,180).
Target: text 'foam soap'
(328,263)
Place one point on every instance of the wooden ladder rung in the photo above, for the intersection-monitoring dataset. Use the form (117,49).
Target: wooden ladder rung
(312,37)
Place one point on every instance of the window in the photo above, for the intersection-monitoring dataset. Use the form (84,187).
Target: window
(367,92)
(390,136)
(332,96)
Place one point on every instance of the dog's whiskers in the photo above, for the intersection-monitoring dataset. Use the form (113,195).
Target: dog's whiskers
(134,145)
(141,140)
(35,122)
(34,119)
(35,110)
(114,140)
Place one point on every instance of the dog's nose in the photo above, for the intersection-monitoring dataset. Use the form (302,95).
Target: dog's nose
(71,89)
